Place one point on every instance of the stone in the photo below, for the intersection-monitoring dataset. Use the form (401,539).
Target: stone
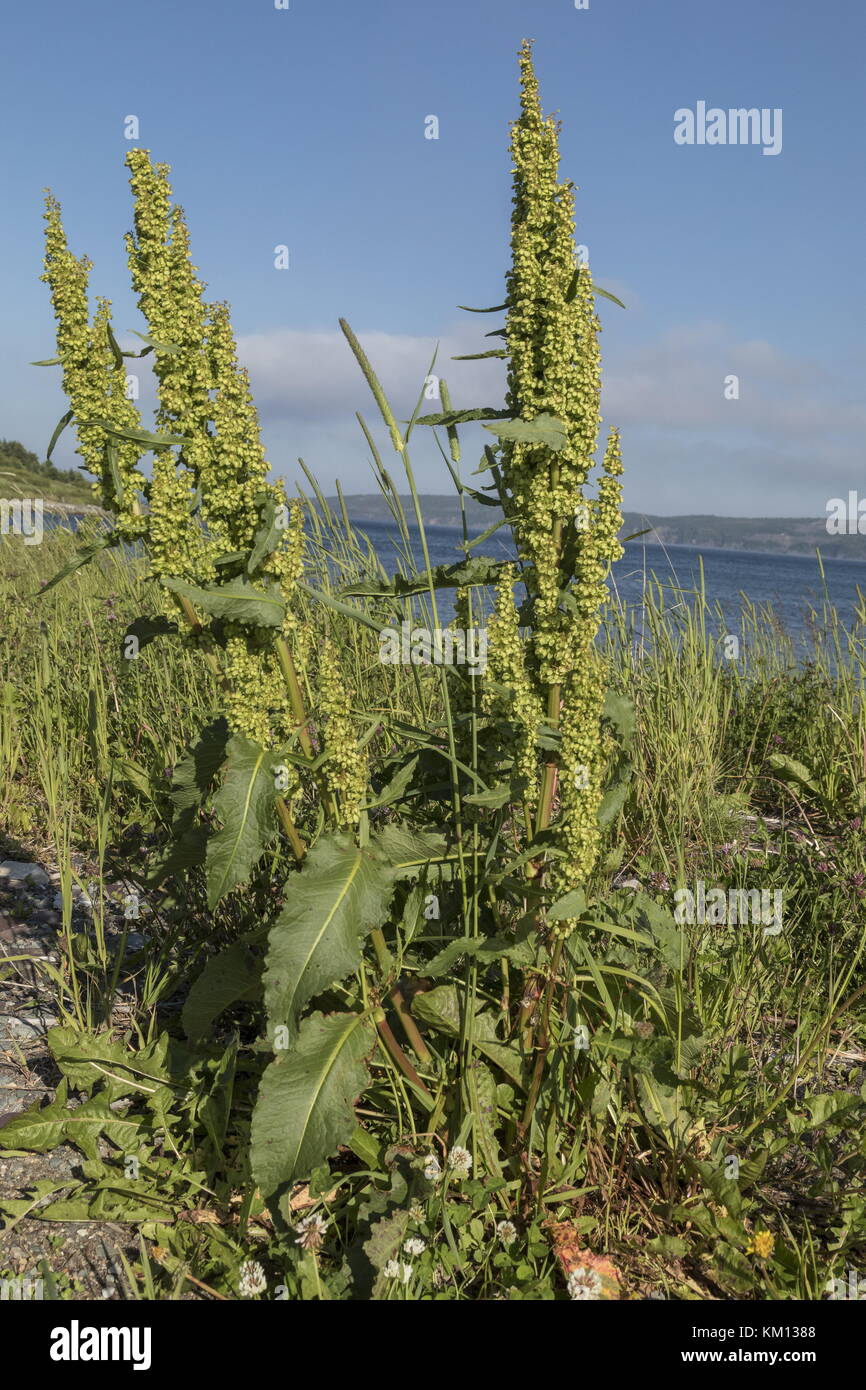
(15,872)
(45,916)
(25,1029)
(79,899)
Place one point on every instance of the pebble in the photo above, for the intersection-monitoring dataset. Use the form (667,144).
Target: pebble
(45,915)
(26,1028)
(19,872)
(79,899)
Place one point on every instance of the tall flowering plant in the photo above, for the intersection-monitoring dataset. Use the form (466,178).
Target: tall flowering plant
(226,549)
(525,750)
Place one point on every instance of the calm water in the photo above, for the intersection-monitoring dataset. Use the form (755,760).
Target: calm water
(790,584)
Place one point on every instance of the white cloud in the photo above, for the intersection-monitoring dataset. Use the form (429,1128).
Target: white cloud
(315,375)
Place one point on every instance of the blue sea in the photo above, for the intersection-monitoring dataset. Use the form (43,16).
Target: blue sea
(790,585)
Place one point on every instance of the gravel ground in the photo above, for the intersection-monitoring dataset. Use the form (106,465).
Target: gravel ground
(82,1257)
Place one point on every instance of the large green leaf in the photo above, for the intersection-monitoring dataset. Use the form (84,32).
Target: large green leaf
(238,600)
(245,805)
(340,893)
(440,1008)
(44,1127)
(619,711)
(194,774)
(231,975)
(481,1086)
(88,1060)
(305,1106)
(569,907)
(667,934)
(790,770)
(408,852)
(544,429)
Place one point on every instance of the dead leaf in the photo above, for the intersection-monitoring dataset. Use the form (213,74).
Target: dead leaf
(565,1240)
(301,1198)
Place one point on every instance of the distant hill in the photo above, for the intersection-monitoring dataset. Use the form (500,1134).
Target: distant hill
(774,535)
(22,475)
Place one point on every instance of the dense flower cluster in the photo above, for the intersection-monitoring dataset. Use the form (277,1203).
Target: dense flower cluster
(507,667)
(212,516)
(238,469)
(566,539)
(256,702)
(93,379)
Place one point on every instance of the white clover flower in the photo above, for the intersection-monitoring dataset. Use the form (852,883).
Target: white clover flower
(584,1284)
(393,1269)
(252,1279)
(460,1162)
(311,1231)
(507,1232)
(432,1168)
(414,1245)
(416,1212)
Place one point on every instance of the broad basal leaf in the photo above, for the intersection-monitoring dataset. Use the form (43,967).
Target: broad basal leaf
(233,974)
(44,1127)
(305,1106)
(88,1060)
(340,893)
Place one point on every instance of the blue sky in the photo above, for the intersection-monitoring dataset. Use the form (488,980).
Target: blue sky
(305,127)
